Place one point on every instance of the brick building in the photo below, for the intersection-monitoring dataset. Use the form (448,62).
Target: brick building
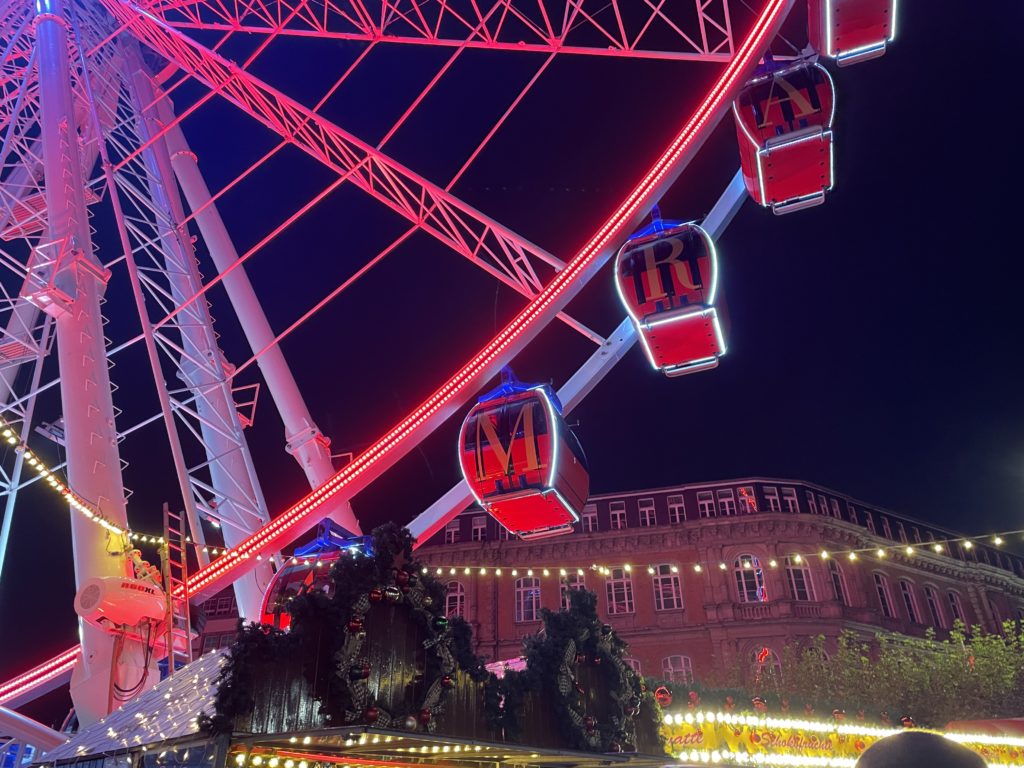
(702,577)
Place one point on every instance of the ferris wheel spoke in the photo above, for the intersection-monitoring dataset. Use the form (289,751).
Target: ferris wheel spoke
(459,226)
(525,26)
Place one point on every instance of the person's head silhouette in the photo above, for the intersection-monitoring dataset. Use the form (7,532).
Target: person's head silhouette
(919,749)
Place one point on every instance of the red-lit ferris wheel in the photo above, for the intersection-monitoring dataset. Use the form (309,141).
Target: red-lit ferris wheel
(103,193)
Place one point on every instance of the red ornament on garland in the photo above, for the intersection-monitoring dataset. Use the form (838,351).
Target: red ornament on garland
(424,716)
(371,714)
(376,594)
(589,723)
(663,696)
(447,681)
(356,624)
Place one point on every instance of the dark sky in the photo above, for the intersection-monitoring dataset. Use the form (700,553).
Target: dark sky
(874,341)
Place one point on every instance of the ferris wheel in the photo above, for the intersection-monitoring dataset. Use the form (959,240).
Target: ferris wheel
(104,201)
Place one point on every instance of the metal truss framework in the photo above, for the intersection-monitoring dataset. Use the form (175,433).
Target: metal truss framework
(688,31)
(548,282)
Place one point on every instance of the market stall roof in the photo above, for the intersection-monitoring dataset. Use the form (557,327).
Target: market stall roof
(166,711)
(361,746)
(1011,726)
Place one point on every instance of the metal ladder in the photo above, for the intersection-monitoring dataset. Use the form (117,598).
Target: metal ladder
(174,557)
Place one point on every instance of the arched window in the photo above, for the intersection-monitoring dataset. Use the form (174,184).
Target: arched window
(931,597)
(569,583)
(677,669)
(799,577)
(527,607)
(838,582)
(910,601)
(668,591)
(764,662)
(884,595)
(749,579)
(956,606)
(633,664)
(619,587)
(455,600)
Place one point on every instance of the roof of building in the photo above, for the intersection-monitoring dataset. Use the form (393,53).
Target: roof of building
(166,711)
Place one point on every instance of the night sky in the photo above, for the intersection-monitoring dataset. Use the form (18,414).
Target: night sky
(874,344)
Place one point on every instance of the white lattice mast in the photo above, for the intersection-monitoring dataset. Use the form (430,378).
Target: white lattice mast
(71,282)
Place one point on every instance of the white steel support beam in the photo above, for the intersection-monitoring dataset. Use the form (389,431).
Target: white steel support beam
(589,375)
(72,293)
(240,506)
(303,438)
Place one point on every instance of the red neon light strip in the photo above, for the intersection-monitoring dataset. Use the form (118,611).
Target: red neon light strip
(36,676)
(558,288)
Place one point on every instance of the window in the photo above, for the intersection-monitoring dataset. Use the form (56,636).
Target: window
(909,601)
(799,578)
(223,606)
(647,516)
(851,514)
(676,509)
(789,500)
(932,599)
(504,534)
(633,664)
(838,582)
(213,642)
(835,510)
(479,532)
(527,606)
(451,532)
(822,505)
(956,606)
(617,514)
(589,518)
(668,591)
(884,598)
(749,579)
(886,529)
(916,534)
(901,532)
(771,498)
(455,600)
(869,521)
(619,587)
(811,503)
(726,502)
(748,504)
(571,582)
(677,669)
(705,503)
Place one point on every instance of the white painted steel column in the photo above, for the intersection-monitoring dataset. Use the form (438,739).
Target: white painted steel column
(304,439)
(94,469)
(202,366)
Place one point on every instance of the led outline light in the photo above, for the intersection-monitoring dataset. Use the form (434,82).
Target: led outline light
(642,325)
(852,55)
(694,129)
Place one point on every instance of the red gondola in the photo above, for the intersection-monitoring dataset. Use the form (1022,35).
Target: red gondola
(523,464)
(667,279)
(784,124)
(851,31)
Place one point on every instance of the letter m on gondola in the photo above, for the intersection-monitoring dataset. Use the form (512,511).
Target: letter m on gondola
(521,428)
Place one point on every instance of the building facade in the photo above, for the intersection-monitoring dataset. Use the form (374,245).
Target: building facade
(711,579)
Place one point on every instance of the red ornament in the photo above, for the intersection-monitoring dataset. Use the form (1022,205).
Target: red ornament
(755,737)
(589,723)
(447,681)
(663,696)
(424,716)
(371,714)
(356,624)
(615,747)
(376,594)
(859,745)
